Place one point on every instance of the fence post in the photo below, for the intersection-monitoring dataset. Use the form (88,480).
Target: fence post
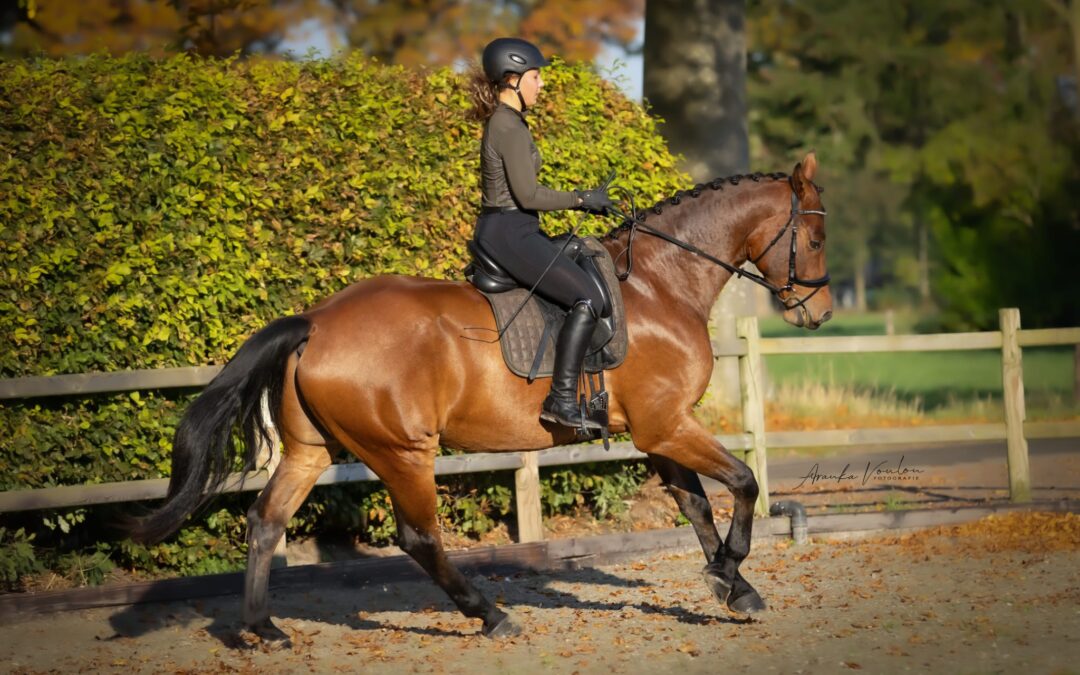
(269,455)
(752,388)
(527,496)
(1012,384)
(1076,374)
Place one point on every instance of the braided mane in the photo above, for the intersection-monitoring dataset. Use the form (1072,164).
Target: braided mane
(694,192)
(714,184)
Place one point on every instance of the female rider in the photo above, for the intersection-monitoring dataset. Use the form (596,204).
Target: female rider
(508,228)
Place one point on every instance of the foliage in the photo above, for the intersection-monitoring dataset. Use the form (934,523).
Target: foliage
(154,213)
(157,27)
(599,488)
(436,32)
(157,212)
(209,547)
(445,31)
(473,510)
(17,558)
(947,140)
(86,568)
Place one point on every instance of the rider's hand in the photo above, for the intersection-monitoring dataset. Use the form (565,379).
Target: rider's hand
(596,201)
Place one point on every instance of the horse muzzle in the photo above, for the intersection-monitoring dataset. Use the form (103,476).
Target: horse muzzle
(800,316)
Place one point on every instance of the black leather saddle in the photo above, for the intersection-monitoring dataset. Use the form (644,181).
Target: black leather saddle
(484,273)
(490,277)
(608,346)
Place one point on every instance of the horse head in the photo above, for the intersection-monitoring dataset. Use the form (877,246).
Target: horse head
(789,250)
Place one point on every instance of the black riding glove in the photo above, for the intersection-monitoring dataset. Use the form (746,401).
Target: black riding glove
(595,201)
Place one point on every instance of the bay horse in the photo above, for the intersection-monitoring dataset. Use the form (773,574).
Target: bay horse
(383,368)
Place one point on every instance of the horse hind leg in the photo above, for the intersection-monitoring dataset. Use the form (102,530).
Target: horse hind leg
(685,487)
(412,492)
(277,503)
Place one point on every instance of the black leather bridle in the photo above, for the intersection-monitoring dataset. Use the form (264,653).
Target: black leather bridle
(634,223)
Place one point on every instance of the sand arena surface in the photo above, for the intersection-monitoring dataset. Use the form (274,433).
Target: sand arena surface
(1001,594)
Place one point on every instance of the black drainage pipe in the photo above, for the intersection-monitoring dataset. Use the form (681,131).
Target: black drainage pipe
(798,518)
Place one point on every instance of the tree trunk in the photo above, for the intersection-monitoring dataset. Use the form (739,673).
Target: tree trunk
(1074,32)
(695,79)
(860,279)
(924,263)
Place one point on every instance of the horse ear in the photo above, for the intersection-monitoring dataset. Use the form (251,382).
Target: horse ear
(809,166)
(803,175)
(798,181)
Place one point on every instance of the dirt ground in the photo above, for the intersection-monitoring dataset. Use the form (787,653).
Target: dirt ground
(999,595)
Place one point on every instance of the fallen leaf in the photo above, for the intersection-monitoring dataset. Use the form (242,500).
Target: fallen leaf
(690,648)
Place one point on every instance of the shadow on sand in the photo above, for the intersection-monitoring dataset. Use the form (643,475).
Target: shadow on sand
(521,588)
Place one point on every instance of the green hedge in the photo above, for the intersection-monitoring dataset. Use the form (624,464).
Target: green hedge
(156,213)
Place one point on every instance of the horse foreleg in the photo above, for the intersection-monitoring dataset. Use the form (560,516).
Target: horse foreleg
(277,503)
(685,487)
(413,495)
(689,445)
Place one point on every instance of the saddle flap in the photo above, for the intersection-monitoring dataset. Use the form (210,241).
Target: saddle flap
(573,249)
(523,336)
(588,263)
(585,257)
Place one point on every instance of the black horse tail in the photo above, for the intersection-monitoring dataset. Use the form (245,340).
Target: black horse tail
(204,452)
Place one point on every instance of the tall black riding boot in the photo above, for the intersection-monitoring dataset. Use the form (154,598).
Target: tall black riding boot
(561,405)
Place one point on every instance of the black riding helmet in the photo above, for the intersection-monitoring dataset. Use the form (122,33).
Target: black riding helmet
(511,55)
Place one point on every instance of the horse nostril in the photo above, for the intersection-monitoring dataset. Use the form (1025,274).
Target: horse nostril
(826,316)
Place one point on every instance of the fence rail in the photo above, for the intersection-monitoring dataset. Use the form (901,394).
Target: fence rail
(107,383)
(753,442)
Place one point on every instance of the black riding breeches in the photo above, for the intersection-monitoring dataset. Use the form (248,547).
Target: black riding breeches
(514,240)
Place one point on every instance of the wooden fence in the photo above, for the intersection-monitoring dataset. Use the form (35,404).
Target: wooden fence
(749,347)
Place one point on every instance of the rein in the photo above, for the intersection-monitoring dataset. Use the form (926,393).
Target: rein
(636,223)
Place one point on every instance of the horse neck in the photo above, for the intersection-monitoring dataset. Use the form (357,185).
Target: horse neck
(718,222)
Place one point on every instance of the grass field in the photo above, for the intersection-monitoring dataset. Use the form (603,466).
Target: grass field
(939,384)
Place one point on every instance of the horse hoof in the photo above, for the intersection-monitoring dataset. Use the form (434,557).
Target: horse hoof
(270,635)
(747,603)
(506,628)
(720,588)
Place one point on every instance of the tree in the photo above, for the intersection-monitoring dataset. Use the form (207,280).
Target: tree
(695,79)
(414,32)
(410,32)
(1069,12)
(947,112)
(821,76)
(206,27)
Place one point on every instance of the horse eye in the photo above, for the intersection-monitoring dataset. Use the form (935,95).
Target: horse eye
(816,245)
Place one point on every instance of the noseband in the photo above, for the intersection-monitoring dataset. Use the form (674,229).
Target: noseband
(793,278)
(635,223)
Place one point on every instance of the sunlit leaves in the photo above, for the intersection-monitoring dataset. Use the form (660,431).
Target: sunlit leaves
(155,213)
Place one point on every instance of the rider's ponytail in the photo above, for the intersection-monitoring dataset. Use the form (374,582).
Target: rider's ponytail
(484,94)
